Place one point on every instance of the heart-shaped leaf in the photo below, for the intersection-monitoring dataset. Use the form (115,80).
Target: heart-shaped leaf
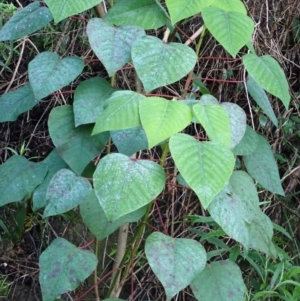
(215,121)
(168,259)
(261,98)
(123,185)
(219,281)
(231,29)
(112,45)
(121,112)
(130,141)
(248,143)
(14,103)
(162,118)
(63,267)
(55,163)
(95,218)
(268,74)
(19,177)
(230,5)
(75,145)
(26,21)
(205,166)
(62,9)
(48,73)
(236,210)
(89,98)
(183,9)
(262,166)
(158,64)
(142,13)
(238,122)
(66,190)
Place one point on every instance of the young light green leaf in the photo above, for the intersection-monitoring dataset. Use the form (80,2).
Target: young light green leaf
(55,163)
(267,73)
(168,259)
(142,13)
(123,185)
(215,121)
(231,29)
(248,143)
(205,166)
(236,210)
(14,103)
(76,145)
(183,9)
(112,45)
(219,281)
(62,9)
(158,64)
(262,166)
(95,218)
(261,98)
(48,73)
(121,111)
(26,21)
(63,267)
(66,190)
(19,177)
(162,118)
(230,5)
(89,98)
(130,141)
(238,122)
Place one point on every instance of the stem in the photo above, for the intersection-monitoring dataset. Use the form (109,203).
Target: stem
(100,11)
(95,272)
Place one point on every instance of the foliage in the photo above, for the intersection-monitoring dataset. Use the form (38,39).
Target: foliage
(123,188)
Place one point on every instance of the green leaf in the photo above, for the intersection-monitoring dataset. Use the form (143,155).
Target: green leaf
(66,190)
(89,98)
(231,29)
(19,177)
(182,9)
(248,143)
(267,73)
(215,121)
(54,163)
(95,218)
(261,98)
(205,166)
(48,73)
(62,9)
(162,118)
(236,209)
(168,259)
(63,267)
(230,5)
(112,45)
(14,103)
(158,64)
(26,21)
(220,280)
(238,122)
(142,13)
(130,141)
(262,166)
(121,112)
(76,145)
(123,185)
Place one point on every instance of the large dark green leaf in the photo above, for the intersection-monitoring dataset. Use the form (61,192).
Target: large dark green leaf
(26,21)
(76,145)
(19,177)
(123,185)
(175,261)
(48,72)
(63,267)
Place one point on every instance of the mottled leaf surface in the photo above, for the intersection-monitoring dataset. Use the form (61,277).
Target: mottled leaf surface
(248,143)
